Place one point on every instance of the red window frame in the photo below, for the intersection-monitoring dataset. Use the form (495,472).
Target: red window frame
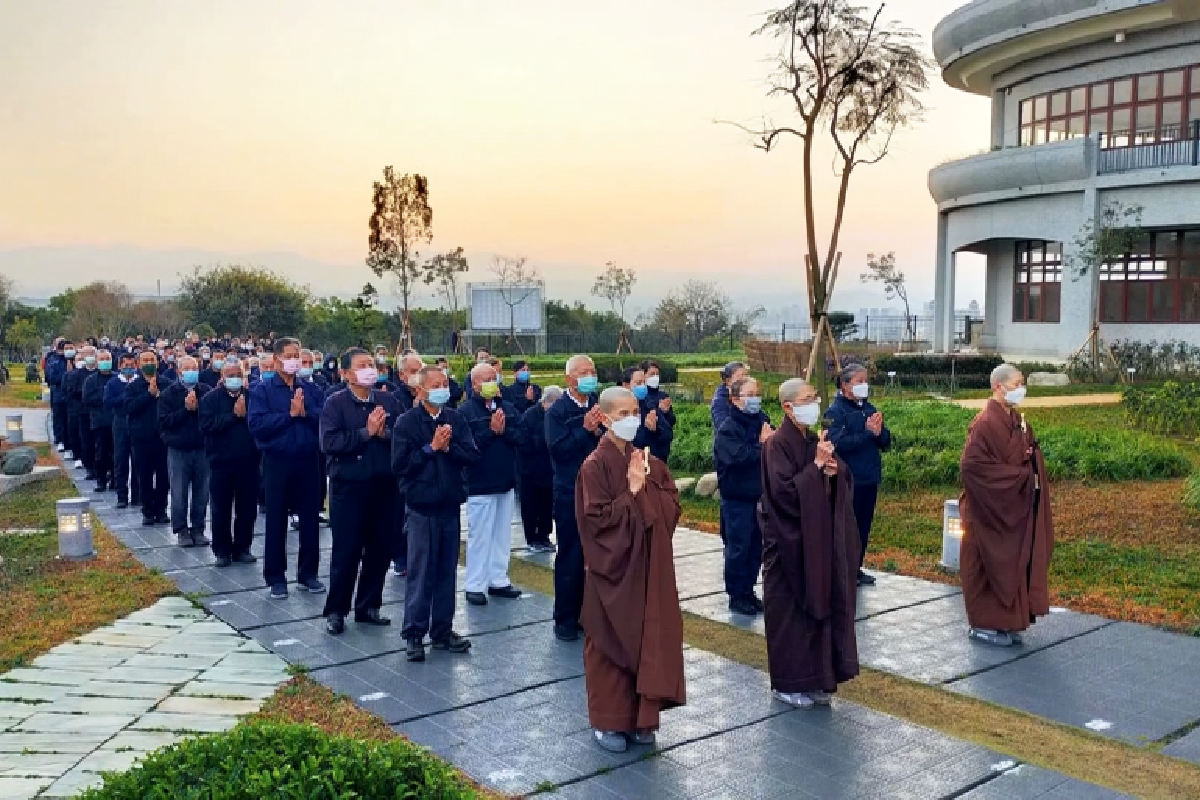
(1037,281)
(1157,282)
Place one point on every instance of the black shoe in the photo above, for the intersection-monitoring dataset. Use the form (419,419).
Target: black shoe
(415,651)
(335,624)
(758,603)
(566,633)
(122,504)
(184,537)
(322,520)
(135,502)
(148,521)
(279,591)
(371,617)
(222,562)
(477,598)
(295,524)
(101,488)
(245,558)
(162,519)
(199,539)
(509,592)
(453,643)
(864,579)
(90,476)
(743,605)
(311,585)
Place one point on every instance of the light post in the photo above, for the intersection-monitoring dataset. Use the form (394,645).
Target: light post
(74,528)
(952,534)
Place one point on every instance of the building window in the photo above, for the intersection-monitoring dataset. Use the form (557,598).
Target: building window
(1140,109)
(1037,282)
(1157,281)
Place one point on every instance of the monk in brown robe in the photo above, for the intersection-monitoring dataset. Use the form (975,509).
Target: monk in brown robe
(1008,535)
(627,508)
(810,556)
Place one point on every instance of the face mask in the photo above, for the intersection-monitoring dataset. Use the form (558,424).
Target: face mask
(190,377)
(267,374)
(366,376)
(171,358)
(128,372)
(233,384)
(69,352)
(79,363)
(380,360)
(306,372)
(586,384)
(105,366)
(640,392)
(149,370)
(808,414)
(1014,397)
(523,376)
(291,365)
(205,356)
(90,361)
(652,381)
(230,361)
(752,405)
(438,397)
(489,390)
(482,360)
(626,429)
(380,378)
(860,390)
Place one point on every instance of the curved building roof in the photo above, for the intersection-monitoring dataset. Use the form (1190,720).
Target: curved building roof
(985,37)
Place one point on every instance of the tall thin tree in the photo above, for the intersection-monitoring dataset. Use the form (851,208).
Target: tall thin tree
(445,271)
(883,269)
(517,283)
(852,81)
(401,218)
(616,285)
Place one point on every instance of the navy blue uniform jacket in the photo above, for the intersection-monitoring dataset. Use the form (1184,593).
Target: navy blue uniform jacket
(272,425)
(93,398)
(737,455)
(142,408)
(180,428)
(659,439)
(352,453)
(433,482)
(854,445)
(114,401)
(533,459)
(495,472)
(514,393)
(720,407)
(568,441)
(227,438)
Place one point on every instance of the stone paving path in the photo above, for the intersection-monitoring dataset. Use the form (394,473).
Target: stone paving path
(103,700)
(512,714)
(1061,401)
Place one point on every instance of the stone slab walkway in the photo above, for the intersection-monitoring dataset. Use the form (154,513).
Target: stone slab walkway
(1061,401)
(33,424)
(105,699)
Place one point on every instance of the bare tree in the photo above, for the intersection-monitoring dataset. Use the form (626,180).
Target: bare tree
(616,285)
(400,220)
(447,270)
(882,269)
(853,81)
(101,307)
(517,284)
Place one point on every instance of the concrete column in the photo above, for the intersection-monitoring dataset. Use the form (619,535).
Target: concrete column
(999,100)
(942,278)
(1078,292)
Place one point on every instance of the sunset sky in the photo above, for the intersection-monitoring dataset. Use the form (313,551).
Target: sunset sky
(141,136)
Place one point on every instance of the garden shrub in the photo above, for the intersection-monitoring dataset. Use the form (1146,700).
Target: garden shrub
(966,372)
(1173,408)
(268,761)
(1191,492)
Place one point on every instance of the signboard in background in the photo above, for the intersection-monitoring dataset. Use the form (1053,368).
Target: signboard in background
(489,309)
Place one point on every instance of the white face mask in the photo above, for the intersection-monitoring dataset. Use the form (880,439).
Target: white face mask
(626,429)
(807,414)
(652,381)
(860,390)
(1014,397)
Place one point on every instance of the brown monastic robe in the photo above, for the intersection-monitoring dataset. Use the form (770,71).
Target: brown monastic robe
(1008,535)
(810,566)
(633,643)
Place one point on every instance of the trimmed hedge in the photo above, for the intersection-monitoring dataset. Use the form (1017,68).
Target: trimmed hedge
(268,761)
(962,366)
(608,367)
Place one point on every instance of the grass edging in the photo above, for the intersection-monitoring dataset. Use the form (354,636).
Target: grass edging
(1029,739)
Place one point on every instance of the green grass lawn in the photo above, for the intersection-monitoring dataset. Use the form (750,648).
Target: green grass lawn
(17,393)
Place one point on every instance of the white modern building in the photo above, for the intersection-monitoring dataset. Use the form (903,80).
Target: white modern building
(1094,102)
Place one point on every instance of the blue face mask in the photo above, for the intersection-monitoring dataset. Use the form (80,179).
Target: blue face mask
(523,376)
(639,391)
(233,384)
(753,405)
(104,366)
(231,361)
(128,372)
(306,372)
(267,374)
(69,352)
(587,384)
(439,397)
(381,379)
(190,377)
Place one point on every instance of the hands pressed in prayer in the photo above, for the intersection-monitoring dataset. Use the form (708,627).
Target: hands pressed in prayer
(665,404)
(637,472)
(591,420)
(765,432)
(239,406)
(190,402)
(297,407)
(441,438)
(652,421)
(529,393)
(497,423)
(825,453)
(375,421)
(875,423)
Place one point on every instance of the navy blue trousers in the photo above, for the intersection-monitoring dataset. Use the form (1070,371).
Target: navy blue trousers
(568,561)
(743,546)
(864,512)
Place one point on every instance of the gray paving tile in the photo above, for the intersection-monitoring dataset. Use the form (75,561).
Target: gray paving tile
(928,642)
(40,765)
(1187,748)
(22,788)
(1124,681)
(1027,782)
(75,724)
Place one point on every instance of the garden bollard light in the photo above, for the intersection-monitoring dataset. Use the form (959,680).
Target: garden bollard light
(13,429)
(952,534)
(74,528)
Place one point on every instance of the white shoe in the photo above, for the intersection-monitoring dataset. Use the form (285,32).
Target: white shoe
(796,699)
(67,456)
(78,464)
(821,698)
(60,447)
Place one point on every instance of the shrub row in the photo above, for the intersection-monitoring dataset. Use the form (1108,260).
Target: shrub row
(1173,408)
(267,761)
(928,438)
(906,366)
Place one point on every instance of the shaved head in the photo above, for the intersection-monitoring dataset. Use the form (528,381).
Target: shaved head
(795,391)
(482,373)
(615,399)
(1004,375)
(550,395)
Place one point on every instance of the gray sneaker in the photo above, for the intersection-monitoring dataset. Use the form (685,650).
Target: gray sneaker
(612,741)
(989,637)
(1017,639)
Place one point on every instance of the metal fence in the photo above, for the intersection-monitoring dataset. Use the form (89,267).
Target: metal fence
(1172,146)
(877,330)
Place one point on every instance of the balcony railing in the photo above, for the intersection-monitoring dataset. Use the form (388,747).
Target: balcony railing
(1170,146)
